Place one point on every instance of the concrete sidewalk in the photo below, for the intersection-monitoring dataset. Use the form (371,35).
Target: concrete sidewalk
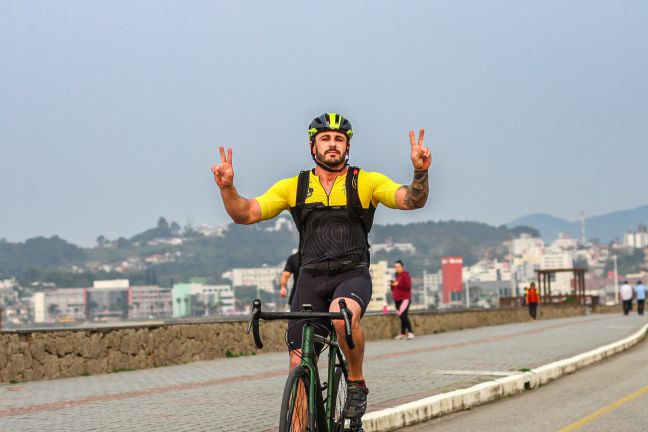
(244,393)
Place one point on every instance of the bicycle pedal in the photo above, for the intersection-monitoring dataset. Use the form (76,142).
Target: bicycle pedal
(355,425)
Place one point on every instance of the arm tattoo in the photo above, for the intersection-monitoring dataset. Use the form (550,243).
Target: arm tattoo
(417,192)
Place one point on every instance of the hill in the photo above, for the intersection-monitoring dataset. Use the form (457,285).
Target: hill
(605,227)
(166,254)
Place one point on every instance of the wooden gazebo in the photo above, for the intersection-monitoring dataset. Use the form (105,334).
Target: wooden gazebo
(578,285)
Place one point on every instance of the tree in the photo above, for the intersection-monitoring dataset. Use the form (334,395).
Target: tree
(175,228)
(102,240)
(162,224)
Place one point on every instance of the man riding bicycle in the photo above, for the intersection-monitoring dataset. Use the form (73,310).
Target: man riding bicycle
(333,206)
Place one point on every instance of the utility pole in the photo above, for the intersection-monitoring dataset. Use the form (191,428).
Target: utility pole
(425,290)
(467,290)
(616,281)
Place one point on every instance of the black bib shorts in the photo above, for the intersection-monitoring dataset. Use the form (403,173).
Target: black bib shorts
(320,291)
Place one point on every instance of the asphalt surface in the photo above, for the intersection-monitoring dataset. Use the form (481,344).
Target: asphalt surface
(608,397)
(244,393)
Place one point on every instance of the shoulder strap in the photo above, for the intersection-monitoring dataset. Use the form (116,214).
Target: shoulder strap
(302,187)
(353,197)
(297,211)
(300,198)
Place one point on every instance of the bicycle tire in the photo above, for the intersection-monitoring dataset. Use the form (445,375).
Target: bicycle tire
(293,412)
(340,392)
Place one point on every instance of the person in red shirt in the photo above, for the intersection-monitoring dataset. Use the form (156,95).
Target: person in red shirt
(402,294)
(532,300)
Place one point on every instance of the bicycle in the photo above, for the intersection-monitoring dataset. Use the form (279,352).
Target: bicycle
(320,413)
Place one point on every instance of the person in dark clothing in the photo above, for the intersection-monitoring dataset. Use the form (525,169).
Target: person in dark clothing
(291,269)
(402,294)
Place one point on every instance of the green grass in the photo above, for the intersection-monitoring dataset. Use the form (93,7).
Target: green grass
(230,354)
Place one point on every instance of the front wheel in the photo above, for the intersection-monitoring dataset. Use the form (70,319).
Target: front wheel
(339,394)
(294,404)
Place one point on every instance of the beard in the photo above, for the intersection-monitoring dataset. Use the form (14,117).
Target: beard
(331,159)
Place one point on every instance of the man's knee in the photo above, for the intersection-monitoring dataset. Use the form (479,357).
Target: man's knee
(353,307)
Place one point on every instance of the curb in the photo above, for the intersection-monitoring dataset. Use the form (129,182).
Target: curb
(459,400)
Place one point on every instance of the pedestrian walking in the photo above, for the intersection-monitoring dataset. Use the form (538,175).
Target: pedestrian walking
(290,269)
(626,297)
(402,294)
(640,292)
(532,300)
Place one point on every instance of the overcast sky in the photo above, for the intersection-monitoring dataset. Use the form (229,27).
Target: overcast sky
(111,112)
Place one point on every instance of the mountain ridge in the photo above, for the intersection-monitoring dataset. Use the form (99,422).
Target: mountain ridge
(605,227)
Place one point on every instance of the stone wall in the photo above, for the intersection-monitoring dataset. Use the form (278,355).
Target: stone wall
(49,354)
(609,309)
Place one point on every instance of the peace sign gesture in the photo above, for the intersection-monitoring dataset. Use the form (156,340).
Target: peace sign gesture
(223,172)
(421,155)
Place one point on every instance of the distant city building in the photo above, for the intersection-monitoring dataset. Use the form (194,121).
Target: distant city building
(7,289)
(107,300)
(565,242)
(636,239)
(432,283)
(452,282)
(389,246)
(486,294)
(561,282)
(527,245)
(211,231)
(488,271)
(59,305)
(381,276)
(149,301)
(264,278)
(196,299)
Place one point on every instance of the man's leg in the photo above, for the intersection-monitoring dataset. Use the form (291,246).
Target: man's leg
(640,306)
(355,357)
(354,287)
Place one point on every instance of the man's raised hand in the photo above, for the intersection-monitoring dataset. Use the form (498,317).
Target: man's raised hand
(421,155)
(223,172)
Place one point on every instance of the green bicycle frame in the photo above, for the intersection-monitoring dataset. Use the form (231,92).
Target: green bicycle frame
(317,412)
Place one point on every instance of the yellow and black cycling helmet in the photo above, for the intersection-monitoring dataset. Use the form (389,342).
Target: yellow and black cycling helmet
(328,122)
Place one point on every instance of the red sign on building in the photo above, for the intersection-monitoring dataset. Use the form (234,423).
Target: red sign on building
(451,279)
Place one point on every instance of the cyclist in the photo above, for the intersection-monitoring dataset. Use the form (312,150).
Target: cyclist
(333,206)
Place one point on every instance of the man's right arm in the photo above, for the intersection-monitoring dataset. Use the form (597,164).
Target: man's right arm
(285,275)
(241,210)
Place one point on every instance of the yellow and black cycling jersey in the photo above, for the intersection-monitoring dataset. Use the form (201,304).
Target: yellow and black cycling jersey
(373,188)
(329,229)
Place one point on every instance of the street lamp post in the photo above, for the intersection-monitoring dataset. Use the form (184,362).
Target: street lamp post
(616,281)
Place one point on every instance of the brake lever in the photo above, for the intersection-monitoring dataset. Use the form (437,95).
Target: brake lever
(347,315)
(254,314)
(254,323)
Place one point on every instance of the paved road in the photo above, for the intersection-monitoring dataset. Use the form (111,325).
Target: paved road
(244,393)
(609,397)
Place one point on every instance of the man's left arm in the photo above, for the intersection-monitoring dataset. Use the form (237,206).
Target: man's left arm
(415,194)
